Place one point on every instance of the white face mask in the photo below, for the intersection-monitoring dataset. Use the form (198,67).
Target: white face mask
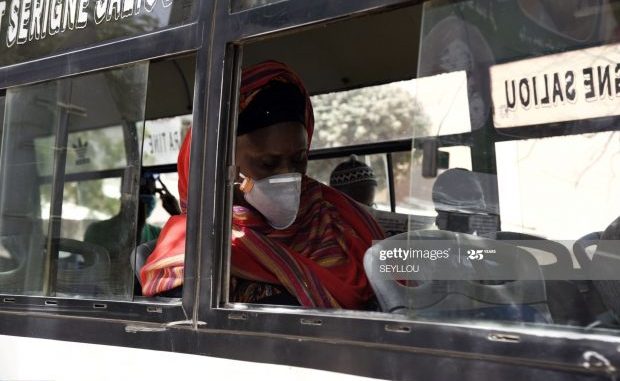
(275,197)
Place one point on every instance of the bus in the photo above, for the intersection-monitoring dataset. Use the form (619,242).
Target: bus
(492,128)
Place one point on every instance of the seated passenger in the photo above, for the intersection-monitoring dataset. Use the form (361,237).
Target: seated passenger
(113,234)
(355,179)
(460,203)
(294,240)
(148,202)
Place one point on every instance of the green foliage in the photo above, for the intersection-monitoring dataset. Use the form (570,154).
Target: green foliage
(90,194)
(368,115)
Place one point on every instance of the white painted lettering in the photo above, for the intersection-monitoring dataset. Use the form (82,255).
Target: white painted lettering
(55,11)
(100,9)
(2,9)
(69,13)
(34,32)
(46,15)
(114,10)
(82,17)
(11,33)
(128,6)
(24,20)
(149,4)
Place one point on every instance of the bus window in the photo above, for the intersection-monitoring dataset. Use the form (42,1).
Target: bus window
(1,113)
(167,121)
(529,180)
(96,155)
(70,156)
(368,114)
(321,170)
(583,168)
(355,107)
(362,116)
(459,158)
(162,140)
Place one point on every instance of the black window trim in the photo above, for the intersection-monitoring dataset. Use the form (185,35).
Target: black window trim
(289,336)
(169,42)
(165,42)
(307,324)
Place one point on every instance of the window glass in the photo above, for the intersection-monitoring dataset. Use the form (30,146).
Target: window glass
(1,112)
(420,190)
(505,183)
(242,5)
(163,138)
(554,173)
(299,257)
(369,114)
(549,184)
(84,202)
(402,179)
(70,160)
(446,111)
(159,215)
(92,150)
(322,169)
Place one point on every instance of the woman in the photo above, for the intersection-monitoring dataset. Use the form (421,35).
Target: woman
(294,240)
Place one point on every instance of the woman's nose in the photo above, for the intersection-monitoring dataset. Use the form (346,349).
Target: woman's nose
(285,169)
(289,167)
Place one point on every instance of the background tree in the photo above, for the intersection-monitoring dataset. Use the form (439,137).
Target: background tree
(365,115)
(369,114)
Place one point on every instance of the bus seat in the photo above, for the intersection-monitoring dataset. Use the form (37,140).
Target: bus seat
(138,259)
(523,299)
(461,204)
(395,223)
(12,265)
(564,295)
(139,256)
(580,248)
(563,261)
(83,268)
(605,265)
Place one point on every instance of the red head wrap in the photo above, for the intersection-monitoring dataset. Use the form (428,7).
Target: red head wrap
(318,259)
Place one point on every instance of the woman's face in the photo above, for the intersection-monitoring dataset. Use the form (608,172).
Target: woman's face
(273,150)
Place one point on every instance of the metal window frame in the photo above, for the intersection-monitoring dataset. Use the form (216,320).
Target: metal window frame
(479,341)
(171,41)
(354,342)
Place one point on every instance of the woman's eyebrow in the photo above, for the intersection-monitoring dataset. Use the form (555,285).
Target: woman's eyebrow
(269,152)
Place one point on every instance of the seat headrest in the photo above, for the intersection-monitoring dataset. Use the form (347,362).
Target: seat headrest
(605,263)
(459,190)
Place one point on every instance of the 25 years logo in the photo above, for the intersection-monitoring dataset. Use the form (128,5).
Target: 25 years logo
(475,255)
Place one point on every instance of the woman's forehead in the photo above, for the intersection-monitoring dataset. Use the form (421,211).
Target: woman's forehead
(286,136)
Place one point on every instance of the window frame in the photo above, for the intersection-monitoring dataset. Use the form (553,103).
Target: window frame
(165,42)
(309,324)
(147,310)
(317,339)
(386,149)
